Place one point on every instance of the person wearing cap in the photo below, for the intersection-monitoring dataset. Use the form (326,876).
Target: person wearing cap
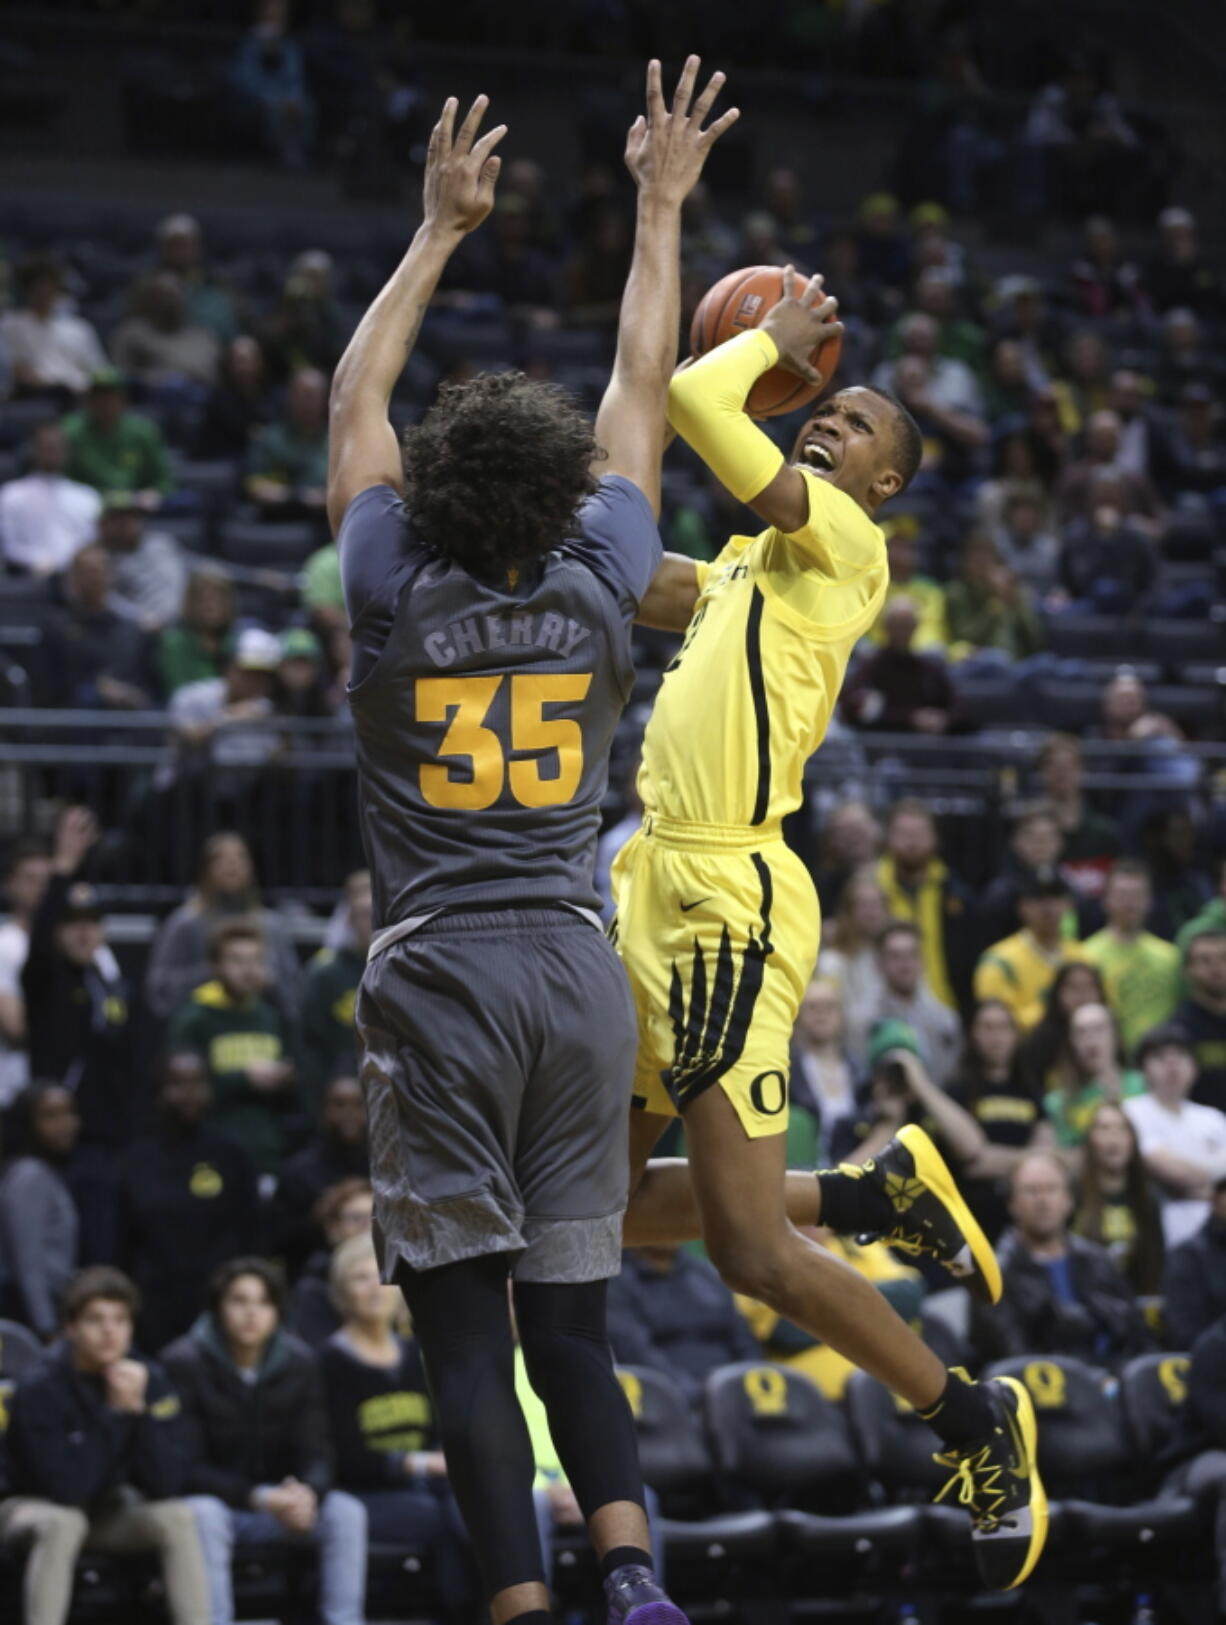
(302,675)
(1194,1281)
(44,516)
(51,351)
(114,449)
(906,998)
(1140,970)
(1019,969)
(902,1090)
(149,568)
(1202,1013)
(1184,1145)
(229,716)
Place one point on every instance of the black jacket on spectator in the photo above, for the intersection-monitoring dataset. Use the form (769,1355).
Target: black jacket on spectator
(304,1177)
(79,648)
(1207,1030)
(682,1321)
(241,1435)
(1104,1327)
(311,1314)
(65,1443)
(1207,1386)
(78,1020)
(1194,1284)
(1089,558)
(187,1203)
(376,1414)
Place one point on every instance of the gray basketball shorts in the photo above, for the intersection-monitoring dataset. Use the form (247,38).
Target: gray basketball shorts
(498,1056)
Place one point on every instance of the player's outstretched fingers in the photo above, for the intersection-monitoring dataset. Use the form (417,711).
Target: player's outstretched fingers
(789,282)
(656,110)
(812,289)
(441,135)
(471,124)
(724,122)
(487,144)
(704,103)
(685,87)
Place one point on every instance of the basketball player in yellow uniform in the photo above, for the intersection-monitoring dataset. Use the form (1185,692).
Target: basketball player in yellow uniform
(718,922)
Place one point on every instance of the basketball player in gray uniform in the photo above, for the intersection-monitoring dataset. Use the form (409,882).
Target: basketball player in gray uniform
(492,569)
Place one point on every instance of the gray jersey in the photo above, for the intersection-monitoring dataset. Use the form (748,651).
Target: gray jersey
(485,714)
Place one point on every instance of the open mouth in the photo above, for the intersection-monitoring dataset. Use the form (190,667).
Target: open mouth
(818,455)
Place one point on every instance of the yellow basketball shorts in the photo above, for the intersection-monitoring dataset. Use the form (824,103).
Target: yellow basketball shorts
(718,929)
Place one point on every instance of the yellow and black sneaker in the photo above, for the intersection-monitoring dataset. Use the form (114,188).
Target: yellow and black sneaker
(929,1214)
(997,1480)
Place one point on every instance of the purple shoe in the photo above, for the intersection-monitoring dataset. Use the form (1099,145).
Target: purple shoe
(635,1597)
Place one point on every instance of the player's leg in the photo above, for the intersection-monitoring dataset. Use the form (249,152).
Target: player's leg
(663,1208)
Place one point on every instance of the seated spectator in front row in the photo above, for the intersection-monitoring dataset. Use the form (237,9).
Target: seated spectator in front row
(1019,970)
(1062,1294)
(336,1153)
(896,690)
(905,996)
(342,1212)
(44,516)
(1202,1013)
(382,1425)
(1194,1282)
(245,1043)
(39,1227)
(188,1200)
(1184,1145)
(259,1464)
(98,1455)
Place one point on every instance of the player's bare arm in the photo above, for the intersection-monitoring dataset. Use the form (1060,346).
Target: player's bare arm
(669,601)
(458,194)
(665,152)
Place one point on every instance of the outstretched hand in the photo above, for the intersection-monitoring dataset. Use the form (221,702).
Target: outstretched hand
(800,322)
(666,148)
(461,172)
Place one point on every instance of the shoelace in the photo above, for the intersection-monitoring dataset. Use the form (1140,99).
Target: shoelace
(967,1473)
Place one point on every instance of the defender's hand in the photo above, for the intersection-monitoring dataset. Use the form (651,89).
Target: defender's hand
(666,149)
(461,174)
(799,323)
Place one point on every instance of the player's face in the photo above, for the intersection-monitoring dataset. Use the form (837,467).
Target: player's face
(849,441)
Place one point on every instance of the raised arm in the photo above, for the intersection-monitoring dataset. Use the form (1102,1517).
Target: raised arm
(458,194)
(706,403)
(665,152)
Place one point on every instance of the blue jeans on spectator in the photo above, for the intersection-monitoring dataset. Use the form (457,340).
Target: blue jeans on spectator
(339,1532)
(426,1515)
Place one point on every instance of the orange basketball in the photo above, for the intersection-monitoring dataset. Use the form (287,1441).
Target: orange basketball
(738,302)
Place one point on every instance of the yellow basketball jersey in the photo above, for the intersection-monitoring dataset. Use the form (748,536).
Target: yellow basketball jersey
(748,698)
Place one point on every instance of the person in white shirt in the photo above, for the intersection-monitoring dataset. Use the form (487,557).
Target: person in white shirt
(907,997)
(45,517)
(24,883)
(48,348)
(1183,1144)
(150,567)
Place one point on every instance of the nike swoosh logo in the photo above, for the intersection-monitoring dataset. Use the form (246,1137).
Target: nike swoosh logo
(686,907)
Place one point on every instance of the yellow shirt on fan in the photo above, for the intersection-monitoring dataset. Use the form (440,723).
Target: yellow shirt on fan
(749,697)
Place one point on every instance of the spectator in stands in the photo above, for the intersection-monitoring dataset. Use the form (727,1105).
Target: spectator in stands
(1135,498)
(1202,1013)
(884,243)
(1062,1293)
(337,1153)
(669,1310)
(1181,887)
(1021,464)
(381,1425)
(1084,146)
(849,945)
(201,644)
(1140,971)
(1186,358)
(1117,1208)
(268,76)
(50,351)
(1025,546)
(1194,1282)
(227,721)
(226,887)
(92,656)
(927,595)
(1007,391)
(989,611)
(505,269)
(1097,1073)
(1035,843)
(1091,841)
(246,1043)
(304,688)
(159,344)
(952,436)
(896,690)
(1178,274)
(342,1212)
(329,990)
(1045,1053)
(850,839)
(322,594)
(1210,915)
(906,997)
(823,1094)
(920,887)
(951,387)
(179,246)
(1184,1144)
(187,1202)
(77,1002)
(39,1227)
(113,449)
(1125,709)
(96,1450)
(25,879)
(901,1090)
(259,1461)
(148,567)
(287,461)
(1191,456)
(1019,970)
(238,403)
(1107,562)
(44,516)
(708,244)
(307,328)
(1104,282)
(1128,399)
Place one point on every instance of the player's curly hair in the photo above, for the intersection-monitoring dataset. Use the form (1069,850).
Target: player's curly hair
(496,470)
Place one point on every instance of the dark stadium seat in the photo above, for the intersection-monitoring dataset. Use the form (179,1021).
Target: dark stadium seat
(284,546)
(672,1450)
(895,1446)
(1153,1392)
(773,1430)
(989,700)
(1070,707)
(1174,643)
(1082,1443)
(1090,635)
(1197,709)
